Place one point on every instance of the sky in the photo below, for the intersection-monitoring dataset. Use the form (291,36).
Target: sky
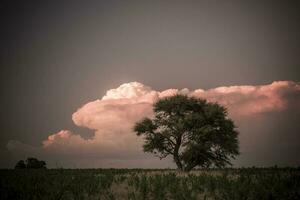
(76,75)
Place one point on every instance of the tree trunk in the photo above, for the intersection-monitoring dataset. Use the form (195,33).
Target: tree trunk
(177,161)
(176,156)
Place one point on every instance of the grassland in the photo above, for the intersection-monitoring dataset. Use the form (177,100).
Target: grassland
(109,184)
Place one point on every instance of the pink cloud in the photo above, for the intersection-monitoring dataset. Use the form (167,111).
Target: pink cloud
(112,117)
(62,135)
(249,100)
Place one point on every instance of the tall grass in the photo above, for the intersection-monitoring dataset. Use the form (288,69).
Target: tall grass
(231,184)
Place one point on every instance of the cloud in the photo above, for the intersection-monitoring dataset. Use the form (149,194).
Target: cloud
(112,118)
(249,100)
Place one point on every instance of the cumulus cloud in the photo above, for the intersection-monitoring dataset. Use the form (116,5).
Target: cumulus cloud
(112,118)
(249,100)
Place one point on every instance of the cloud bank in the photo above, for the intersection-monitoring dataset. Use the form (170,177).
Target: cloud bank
(112,117)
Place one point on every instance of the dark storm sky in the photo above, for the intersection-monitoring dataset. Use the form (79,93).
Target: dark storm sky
(58,55)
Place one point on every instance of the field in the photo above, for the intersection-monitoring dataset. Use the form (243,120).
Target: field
(108,184)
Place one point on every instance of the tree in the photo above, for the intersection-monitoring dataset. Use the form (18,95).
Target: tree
(20,165)
(195,132)
(31,163)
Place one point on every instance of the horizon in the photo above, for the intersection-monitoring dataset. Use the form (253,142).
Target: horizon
(77,76)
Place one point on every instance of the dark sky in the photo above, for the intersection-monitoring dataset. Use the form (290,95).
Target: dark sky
(58,55)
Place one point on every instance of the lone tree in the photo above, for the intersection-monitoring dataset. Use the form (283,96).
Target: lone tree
(195,132)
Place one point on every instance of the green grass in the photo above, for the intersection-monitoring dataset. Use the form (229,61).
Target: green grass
(231,184)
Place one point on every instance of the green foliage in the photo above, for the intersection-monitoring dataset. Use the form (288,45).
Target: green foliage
(31,163)
(109,184)
(192,130)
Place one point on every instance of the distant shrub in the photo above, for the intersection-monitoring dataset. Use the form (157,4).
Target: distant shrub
(31,163)
(20,165)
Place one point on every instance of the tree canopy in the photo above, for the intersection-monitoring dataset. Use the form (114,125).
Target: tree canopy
(195,132)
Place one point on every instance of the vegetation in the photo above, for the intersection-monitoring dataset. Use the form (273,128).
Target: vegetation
(31,163)
(108,184)
(192,130)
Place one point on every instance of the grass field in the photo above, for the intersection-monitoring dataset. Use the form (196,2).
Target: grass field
(248,183)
